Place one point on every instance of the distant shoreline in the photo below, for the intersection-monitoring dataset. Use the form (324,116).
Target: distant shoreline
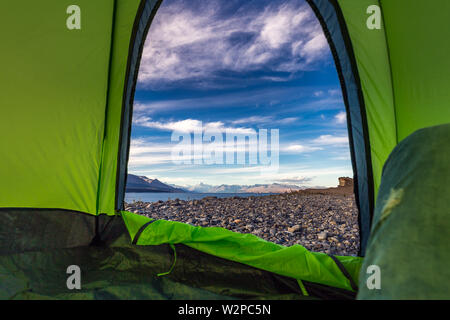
(140,190)
(195,192)
(165,196)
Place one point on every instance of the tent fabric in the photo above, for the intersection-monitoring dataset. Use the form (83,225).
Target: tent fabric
(105,276)
(53,104)
(34,260)
(403,68)
(63,134)
(409,240)
(294,261)
(394,80)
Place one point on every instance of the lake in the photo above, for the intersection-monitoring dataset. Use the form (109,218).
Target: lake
(156,196)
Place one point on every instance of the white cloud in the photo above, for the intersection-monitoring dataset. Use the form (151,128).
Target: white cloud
(319,93)
(335,92)
(294,96)
(144,153)
(342,158)
(189,125)
(315,47)
(298,148)
(230,100)
(196,40)
(265,120)
(287,120)
(295,180)
(330,140)
(341,117)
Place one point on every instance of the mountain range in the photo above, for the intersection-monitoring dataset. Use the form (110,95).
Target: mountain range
(256,188)
(143,184)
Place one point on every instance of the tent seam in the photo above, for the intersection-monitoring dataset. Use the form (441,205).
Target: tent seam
(390,71)
(99,185)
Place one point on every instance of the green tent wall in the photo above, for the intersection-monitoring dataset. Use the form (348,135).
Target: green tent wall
(66,105)
(66,94)
(394,79)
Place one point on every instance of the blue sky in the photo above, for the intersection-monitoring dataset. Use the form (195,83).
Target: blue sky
(240,66)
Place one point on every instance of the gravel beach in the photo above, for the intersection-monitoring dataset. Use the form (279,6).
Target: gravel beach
(321,220)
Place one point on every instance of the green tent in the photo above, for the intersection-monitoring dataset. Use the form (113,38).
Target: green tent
(69,71)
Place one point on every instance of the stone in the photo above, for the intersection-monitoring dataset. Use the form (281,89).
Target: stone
(257,231)
(322,236)
(295,228)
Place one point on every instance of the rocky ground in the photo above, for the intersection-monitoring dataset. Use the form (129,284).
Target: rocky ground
(320,220)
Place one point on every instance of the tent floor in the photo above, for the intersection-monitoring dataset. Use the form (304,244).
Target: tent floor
(131,273)
(39,246)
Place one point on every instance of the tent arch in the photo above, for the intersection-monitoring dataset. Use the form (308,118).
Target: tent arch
(146,13)
(339,41)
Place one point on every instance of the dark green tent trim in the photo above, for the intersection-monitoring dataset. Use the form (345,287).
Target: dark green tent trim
(146,13)
(335,30)
(342,50)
